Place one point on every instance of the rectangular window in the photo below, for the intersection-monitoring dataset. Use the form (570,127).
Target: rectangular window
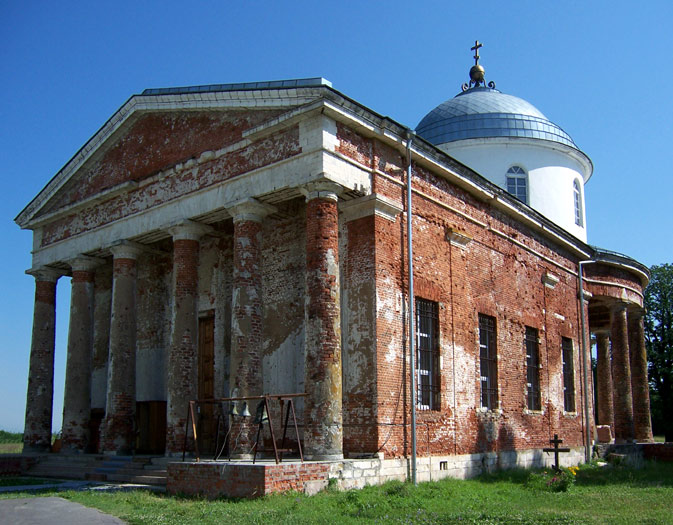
(427,355)
(568,375)
(533,369)
(487,358)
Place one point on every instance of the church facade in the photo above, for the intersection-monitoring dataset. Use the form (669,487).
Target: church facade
(235,240)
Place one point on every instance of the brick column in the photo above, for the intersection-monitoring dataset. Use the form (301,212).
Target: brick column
(621,374)
(642,422)
(40,395)
(606,414)
(118,434)
(182,374)
(246,316)
(323,432)
(77,397)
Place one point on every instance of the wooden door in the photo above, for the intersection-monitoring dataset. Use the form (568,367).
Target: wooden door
(206,417)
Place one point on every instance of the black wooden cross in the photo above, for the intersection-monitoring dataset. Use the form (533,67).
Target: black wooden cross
(556,442)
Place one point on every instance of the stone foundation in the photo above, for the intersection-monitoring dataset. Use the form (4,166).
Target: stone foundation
(247,480)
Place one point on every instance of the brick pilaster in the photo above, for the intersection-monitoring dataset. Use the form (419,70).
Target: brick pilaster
(246,316)
(40,394)
(604,377)
(182,380)
(119,423)
(323,434)
(642,423)
(621,374)
(77,397)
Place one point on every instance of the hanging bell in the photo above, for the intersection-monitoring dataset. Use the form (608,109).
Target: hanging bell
(261,415)
(245,412)
(233,409)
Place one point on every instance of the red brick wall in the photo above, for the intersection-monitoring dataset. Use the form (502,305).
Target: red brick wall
(658,451)
(153,191)
(157,141)
(214,480)
(359,353)
(16,465)
(494,276)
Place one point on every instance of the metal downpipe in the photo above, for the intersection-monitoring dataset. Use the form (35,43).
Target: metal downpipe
(585,366)
(412,334)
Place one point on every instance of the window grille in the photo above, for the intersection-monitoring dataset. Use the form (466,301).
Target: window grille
(517,183)
(427,353)
(533,369)
(488,365)
(568,375)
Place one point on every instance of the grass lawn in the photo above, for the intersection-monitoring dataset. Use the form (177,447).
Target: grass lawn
(14,482)
(11,442)
(11,448)
(600,495)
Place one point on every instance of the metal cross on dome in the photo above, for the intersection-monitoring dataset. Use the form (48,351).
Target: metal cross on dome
(476,47)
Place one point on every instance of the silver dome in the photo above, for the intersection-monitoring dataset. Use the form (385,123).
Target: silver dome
(483,112)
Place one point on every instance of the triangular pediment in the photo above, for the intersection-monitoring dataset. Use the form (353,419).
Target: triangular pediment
(159,129)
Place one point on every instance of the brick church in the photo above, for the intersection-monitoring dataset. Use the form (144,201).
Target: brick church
(246,239)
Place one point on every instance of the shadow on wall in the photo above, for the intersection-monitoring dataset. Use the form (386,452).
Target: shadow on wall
(496,441)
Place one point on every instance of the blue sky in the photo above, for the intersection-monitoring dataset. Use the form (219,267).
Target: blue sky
(601,70)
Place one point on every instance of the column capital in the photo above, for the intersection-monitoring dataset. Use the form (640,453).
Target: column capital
(126,250)
(84,263)
(187,230)
(618,307)
(250,210)
(637,313)
(45,273)
(321,189)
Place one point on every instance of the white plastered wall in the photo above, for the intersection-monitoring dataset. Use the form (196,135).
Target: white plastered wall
(551,174)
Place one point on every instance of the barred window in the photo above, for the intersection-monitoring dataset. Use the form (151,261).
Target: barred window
(532,369)
(568,375)
(427,352)
(488,366)
(517,183)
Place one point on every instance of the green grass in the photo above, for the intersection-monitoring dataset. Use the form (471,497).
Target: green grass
(13,482)
(10,437)
(11,442)
(11,448)
(611,495)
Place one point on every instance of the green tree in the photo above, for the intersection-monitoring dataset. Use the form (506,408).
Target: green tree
(659,338)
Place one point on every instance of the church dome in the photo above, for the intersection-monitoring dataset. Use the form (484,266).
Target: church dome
(485,112)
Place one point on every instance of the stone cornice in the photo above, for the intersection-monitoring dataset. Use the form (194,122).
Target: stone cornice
(138,104)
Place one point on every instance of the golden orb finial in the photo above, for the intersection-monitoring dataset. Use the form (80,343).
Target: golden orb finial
(477,71)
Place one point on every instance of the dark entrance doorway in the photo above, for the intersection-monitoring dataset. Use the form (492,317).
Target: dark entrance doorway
(206,417)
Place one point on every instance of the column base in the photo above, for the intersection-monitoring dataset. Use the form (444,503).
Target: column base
(36,449)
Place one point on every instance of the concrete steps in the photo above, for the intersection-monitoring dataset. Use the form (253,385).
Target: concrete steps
(122,469)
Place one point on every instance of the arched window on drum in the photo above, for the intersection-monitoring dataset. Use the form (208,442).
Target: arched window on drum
(577,194)
(517,183)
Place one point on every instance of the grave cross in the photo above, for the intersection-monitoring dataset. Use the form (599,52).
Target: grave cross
(556,442)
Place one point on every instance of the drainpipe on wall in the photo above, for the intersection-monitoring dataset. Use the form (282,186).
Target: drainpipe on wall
(585,366)
(412,334)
